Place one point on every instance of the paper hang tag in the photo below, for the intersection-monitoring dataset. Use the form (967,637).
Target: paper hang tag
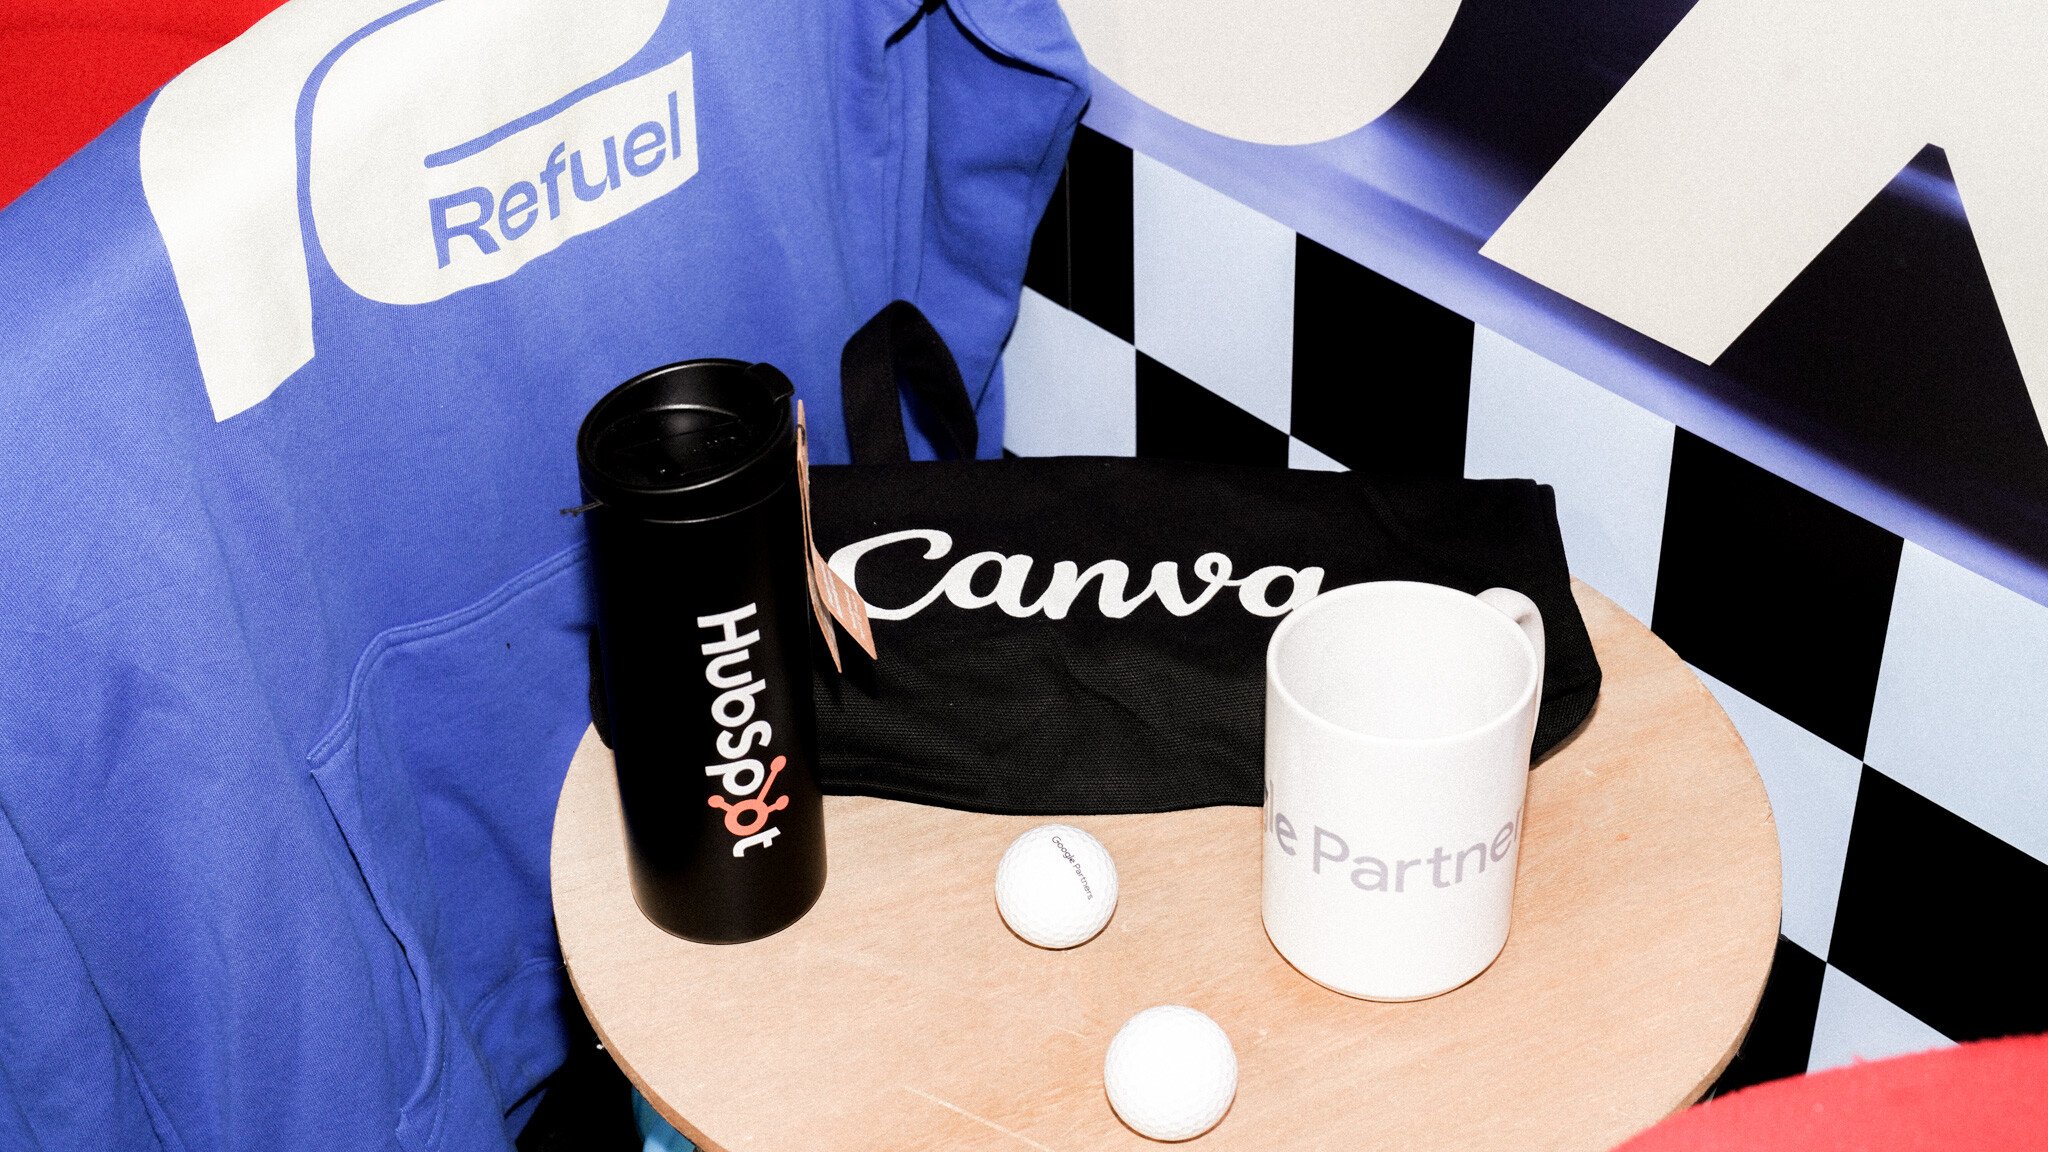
(830,595)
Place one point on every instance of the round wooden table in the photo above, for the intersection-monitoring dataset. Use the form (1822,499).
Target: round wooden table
(902,1015)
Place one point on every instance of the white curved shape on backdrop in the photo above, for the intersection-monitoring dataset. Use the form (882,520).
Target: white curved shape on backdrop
(1758,130)
(1291,73)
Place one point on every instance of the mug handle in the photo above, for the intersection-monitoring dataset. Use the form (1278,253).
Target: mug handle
(1523,612)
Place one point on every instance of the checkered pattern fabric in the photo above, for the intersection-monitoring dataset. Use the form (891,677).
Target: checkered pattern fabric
(1896,704)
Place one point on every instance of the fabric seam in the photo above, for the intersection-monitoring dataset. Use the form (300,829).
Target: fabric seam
(159,1120)
(390,639)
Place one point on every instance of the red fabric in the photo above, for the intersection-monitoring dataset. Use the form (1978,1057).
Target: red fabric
(69,68)
(1986,1097)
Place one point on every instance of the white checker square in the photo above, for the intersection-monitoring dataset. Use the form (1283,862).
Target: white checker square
(1070,388)
(1609,461)
(1855,1023)
(1961,715)
(1300,455)
(1213,290)
(1812,786)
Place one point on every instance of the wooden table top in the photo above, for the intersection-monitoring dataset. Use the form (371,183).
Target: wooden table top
(901,1014)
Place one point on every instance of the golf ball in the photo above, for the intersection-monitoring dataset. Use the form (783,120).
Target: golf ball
(1056,886)
(1170,1073)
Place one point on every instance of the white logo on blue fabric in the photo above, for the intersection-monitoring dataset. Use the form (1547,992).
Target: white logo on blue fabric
(474,213)
(448,145)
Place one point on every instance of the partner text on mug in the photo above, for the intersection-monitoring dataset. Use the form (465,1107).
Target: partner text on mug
(1369,873)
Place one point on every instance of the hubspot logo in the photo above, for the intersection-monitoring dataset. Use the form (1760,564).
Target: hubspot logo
(749,816)
(727,667)
(446,143)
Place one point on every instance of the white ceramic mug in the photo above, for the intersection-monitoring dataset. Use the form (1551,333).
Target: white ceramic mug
(1398,723)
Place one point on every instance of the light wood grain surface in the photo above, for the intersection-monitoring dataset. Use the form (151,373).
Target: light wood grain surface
(901,1014)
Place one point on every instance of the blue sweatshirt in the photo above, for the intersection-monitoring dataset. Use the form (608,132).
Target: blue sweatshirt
(292,635)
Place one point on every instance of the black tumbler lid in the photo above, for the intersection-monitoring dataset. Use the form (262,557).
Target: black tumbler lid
(689,441)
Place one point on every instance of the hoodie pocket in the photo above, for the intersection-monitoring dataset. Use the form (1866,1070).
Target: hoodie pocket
(441,775)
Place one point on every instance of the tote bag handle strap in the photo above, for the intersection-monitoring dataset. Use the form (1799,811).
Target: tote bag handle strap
(899,351)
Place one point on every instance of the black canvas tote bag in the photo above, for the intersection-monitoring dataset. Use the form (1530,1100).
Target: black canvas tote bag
(1080,635)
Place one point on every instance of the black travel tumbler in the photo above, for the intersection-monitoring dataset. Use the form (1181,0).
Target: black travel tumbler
(703,619)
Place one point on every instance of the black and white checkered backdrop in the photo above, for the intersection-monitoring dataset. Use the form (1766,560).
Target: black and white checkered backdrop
(1896,704)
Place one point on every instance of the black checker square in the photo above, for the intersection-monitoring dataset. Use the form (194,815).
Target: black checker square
(1081,254)
(1179,419)
(1941,917)
(1382,375)
(1781,1037)
(1892,340)
(1774,590)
